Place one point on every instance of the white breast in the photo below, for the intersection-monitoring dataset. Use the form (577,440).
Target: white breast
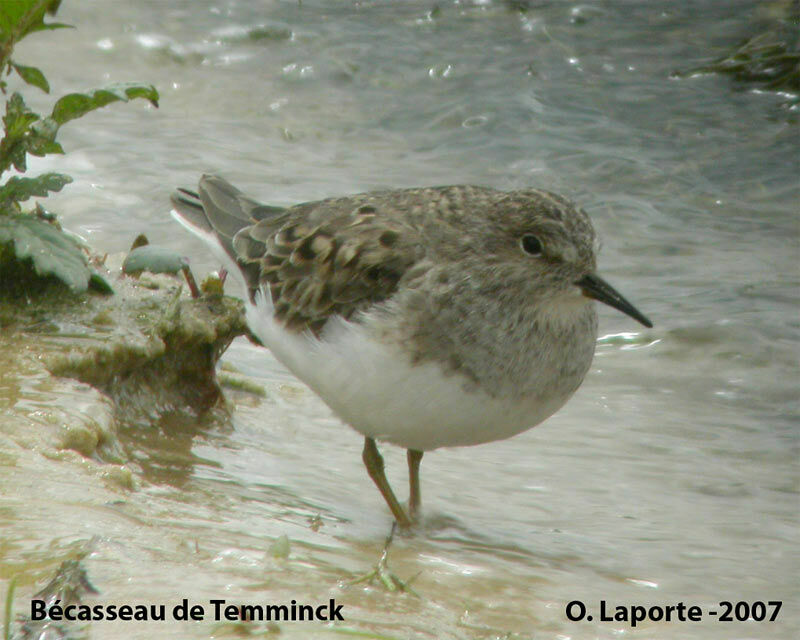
(375,389)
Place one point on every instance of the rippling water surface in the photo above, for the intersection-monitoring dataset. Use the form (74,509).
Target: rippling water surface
(671,476)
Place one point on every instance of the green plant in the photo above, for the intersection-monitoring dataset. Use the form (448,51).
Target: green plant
(9,608)
(31,237)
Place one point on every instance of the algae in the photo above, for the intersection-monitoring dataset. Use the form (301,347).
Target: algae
(768,60)
(159,356)
(144,354)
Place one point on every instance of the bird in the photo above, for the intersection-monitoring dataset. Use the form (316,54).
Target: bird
(423,317)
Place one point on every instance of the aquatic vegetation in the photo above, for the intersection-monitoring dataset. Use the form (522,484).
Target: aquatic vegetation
(765,60)
(9,608)
(769,60)
(33,238)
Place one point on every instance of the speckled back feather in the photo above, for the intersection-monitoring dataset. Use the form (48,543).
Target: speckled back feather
(314,270)
(332,257)
(339,256)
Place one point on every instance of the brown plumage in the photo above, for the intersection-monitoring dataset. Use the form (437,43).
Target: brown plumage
(334,256)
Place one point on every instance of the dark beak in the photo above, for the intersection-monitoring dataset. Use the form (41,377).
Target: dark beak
(593,286)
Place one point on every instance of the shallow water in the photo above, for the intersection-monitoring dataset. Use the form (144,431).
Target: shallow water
(671,476)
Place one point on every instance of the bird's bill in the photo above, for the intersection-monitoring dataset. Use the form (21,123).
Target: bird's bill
(593,286)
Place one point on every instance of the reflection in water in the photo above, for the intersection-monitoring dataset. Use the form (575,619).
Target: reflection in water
(163,449)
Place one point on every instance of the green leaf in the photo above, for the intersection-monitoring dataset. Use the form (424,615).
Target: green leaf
(32,76)
(21,17)
(100,284)
(50,26)
(7,617)
(41,139)
(52,252)
(46,148)
(75,105)
(18,189)
(17,124)
(17,157)
(18,117)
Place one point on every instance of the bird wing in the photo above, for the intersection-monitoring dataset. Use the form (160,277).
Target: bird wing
(319,259)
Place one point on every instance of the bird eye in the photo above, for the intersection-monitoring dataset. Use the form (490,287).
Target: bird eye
(531,245)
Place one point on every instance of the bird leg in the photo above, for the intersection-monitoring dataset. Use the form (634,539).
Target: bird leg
(414,495)
(384,574)
(374,464)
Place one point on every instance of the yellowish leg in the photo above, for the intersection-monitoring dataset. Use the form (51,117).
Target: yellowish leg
(384,574)
(415,495)
(374,464)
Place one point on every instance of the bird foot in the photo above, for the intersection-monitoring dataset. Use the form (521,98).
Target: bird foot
(384,575)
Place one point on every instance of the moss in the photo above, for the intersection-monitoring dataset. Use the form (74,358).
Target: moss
(165,359)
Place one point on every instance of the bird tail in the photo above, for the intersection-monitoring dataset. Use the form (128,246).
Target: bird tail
(216,212)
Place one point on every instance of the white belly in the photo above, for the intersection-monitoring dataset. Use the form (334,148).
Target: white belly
(376,390)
